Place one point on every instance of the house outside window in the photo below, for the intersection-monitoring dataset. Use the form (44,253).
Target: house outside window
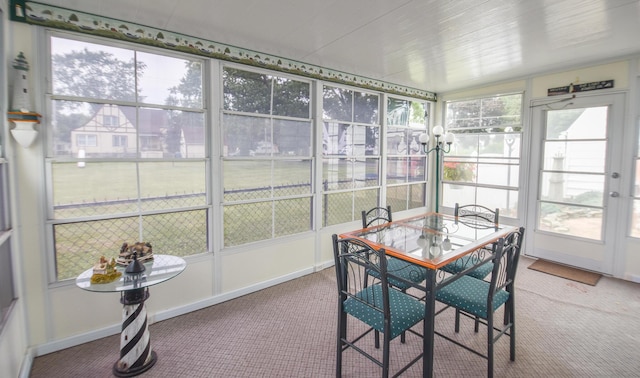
(110,122)
(119,140)
(101,195)
(483,166)
(86,140)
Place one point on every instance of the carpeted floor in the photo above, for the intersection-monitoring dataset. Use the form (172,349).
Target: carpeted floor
(565,329)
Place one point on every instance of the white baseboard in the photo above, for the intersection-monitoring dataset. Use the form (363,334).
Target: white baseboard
(632,277)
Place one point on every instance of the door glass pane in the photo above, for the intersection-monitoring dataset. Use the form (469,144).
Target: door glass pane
(571,220)
(572,179)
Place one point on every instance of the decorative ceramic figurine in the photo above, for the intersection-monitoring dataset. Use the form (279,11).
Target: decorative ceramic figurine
(104,271)
(143,251)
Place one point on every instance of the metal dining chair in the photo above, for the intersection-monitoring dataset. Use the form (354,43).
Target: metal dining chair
(383,308)
(489,219)
(376,216)
(479,299)
(408,275)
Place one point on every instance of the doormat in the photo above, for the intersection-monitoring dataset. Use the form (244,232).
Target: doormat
(567,272)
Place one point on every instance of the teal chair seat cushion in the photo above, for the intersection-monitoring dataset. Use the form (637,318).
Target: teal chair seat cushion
(405,270)
(470,295)
(406,310)
(465,262)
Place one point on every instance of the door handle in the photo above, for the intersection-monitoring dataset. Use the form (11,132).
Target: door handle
(614,194)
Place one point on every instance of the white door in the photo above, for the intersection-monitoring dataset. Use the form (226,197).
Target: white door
(575,170)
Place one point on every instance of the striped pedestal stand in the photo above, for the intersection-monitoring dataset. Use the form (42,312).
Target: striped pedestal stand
(136,355)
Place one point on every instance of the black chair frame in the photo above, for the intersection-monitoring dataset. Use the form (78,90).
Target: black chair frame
(353,258)
(505,264)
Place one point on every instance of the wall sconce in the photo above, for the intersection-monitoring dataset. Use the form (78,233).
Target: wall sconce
(19,113)
(441,147)
(23,132)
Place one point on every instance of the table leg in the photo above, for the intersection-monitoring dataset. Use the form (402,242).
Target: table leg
(429,324)
(136,355)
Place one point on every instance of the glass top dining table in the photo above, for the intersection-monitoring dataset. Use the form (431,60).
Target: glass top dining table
(432,240)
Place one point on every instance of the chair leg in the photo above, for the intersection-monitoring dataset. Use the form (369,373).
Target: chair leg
(377,337)
(342,334)
(457,326)
(476,326)
(512,331)
(385,356)
(490,341)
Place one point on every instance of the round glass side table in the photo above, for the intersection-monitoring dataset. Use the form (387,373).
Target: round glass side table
(136,355)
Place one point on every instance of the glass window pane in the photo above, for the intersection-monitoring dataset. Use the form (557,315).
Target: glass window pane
(291,98)
(365,199)
(503,199)
(398,112)
(366,108)
(170,133)
(397,170)
(246,91)
(404,197)
(574,156)
(571,220)
(366,172)
(337,174)
(337,139)
(580,189)
(66,117)
(79,245)
(292,138)
(498,174)
(292,216)
(569,124)
(459,171)
(246,179)
(95,188)
(291,177)
(186,187)
(465,145)
(337,104)
(452,193)
(338,208)
(246,136)
(186,136)
(246,223)
(397,141)
(169,81)
(463,114)
(90,70)
(181,233)
(365,141)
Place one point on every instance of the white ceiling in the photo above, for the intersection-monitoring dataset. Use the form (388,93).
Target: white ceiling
(435,45)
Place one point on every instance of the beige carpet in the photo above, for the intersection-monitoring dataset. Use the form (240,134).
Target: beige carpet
(574,274)
(564,329)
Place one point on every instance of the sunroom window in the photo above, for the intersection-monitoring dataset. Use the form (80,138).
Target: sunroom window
(351,179)
(483,166)
(123,122)
(267,156)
